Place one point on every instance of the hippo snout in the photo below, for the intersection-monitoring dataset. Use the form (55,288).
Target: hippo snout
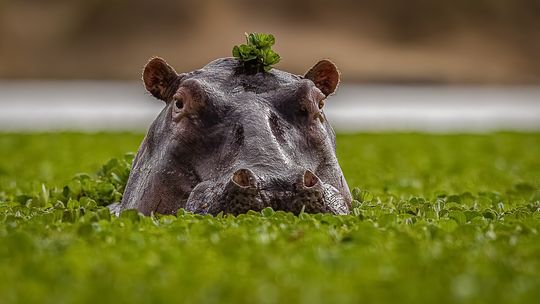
(244,191)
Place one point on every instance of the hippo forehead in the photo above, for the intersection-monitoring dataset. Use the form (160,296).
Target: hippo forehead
(225,77)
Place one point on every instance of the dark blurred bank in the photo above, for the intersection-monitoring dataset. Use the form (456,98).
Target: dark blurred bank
(414,41)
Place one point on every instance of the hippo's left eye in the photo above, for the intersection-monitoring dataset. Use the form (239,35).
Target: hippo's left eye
(179,103)
(178,107)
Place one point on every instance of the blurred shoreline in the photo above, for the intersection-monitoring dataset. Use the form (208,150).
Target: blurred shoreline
(93,106)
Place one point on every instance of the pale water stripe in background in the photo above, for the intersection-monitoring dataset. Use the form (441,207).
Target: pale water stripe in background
(102,106)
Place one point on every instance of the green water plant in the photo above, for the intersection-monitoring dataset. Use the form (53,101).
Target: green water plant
(436,219)
(257,54)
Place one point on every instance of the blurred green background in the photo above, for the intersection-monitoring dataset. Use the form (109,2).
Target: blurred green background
(415,41)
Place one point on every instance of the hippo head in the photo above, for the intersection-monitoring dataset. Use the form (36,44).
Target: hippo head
(231,141)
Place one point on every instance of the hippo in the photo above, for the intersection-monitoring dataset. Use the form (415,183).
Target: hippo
(228,140)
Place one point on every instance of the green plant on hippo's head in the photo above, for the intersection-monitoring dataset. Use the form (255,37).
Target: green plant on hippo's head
(257,55)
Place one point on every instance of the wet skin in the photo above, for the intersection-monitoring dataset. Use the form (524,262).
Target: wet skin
(231,141)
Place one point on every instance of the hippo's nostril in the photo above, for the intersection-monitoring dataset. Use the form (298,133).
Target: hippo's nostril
(310,179)
(244,178)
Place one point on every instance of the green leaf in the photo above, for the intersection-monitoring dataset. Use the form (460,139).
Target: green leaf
(236,51)
(88,203)
(458,216)
(471,214)
(131,214)
(490,214)
(363,196)
(267,212)
(266,40)
(73,204)
(70,215)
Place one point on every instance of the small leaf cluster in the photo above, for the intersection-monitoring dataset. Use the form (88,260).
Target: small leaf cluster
(83,190)
(257,53)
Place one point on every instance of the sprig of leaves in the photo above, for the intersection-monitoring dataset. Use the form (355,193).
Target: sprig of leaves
(257,54)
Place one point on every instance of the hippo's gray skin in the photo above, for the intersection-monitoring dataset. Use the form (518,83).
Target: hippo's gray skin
(233,141)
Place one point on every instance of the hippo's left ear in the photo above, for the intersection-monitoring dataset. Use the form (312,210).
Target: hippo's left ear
(159,77)
(325,75)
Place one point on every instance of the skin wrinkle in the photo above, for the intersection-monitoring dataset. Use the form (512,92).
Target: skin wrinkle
(230,122)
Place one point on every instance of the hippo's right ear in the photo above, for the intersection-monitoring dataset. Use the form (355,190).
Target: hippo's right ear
(159,79)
